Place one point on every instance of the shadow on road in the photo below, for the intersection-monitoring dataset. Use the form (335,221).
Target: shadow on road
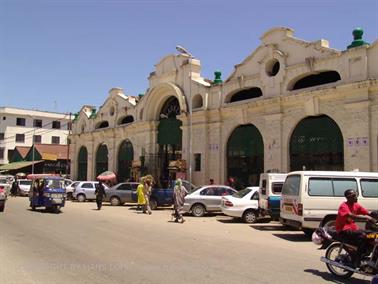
(329,277)
(271,227)
(43,211)
(300,237)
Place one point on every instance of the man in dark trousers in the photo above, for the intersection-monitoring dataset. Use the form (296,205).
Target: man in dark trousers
(100,194)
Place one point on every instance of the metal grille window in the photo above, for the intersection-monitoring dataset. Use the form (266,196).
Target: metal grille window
(20,121)
(197,162)
(2,153)
(55,140)
(56,124)
(20,138)
(37,123)
(1,136)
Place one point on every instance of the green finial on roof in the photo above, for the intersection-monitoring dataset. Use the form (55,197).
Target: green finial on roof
(218,79)
(358,41)
(76,116)
(93,114)
(140,95)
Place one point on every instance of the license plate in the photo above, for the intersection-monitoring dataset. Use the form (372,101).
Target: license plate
(56,195)
(288,208)
(57,200)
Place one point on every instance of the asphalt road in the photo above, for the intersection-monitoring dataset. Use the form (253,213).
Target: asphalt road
(119,245)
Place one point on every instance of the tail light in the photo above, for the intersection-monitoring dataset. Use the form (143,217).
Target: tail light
(228,203)
(300,209)
(2,189)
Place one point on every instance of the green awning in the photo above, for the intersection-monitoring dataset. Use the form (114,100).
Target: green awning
(18,165)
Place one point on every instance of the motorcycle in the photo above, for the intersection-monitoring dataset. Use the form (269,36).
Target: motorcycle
(339,254)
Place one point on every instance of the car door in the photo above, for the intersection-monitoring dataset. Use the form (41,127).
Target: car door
(88,190)
(210,198)
(124,192)
(134,197)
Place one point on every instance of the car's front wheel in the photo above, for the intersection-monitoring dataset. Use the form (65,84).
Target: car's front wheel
(198,210)
(80,197)
(114,201)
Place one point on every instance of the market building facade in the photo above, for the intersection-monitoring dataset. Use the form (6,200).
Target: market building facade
(290,105)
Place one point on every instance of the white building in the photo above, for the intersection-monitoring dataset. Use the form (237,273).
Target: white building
(20,127)
(291,104)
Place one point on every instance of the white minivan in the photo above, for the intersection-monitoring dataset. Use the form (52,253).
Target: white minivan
(311,198)
(270,193)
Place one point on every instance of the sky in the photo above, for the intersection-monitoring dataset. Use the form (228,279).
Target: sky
(58,55)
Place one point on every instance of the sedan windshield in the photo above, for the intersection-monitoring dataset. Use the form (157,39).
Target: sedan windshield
(242,193)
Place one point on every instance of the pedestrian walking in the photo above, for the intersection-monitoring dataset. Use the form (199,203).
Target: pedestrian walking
(14,188)
(100,194)
(140,195)
(179,194)
(147,190)
(211,182)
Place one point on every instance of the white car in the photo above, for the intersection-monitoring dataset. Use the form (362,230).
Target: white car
(70,187)
(24,186)
(243,204)
(5,184)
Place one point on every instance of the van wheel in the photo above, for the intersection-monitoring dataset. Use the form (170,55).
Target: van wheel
(249,216)
(80,198)
(198,210)
(329,224)
(114,201)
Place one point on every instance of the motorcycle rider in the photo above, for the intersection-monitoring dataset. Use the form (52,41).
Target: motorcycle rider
(346,227)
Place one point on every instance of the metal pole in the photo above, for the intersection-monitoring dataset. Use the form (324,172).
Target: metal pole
(33,149)
(68,145)
(190,121)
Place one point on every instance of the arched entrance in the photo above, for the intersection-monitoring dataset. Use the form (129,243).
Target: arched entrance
(125,158)
(82,164)
(317,144)
(245,156)
(101,159)
(169,137)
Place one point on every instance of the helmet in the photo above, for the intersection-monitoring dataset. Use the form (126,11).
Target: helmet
(316,238)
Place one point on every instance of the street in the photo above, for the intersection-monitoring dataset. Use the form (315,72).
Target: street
(120,245)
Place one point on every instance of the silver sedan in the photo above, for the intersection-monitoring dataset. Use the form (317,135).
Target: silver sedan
(206,199)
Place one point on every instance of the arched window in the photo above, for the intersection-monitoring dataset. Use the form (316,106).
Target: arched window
(102,124)
(127,119)
(82,164)
(245,156)
(197,101)
(317,144)
(248,94)
(125,158)
(101,159)
(312,80)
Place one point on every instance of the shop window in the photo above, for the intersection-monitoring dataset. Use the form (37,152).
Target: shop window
(20,138)
(20,121)
(56,124)
(55,140)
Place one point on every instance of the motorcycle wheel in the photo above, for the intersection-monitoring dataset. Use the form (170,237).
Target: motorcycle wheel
(336,252)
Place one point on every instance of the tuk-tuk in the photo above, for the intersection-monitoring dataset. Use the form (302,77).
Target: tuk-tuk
(48,192)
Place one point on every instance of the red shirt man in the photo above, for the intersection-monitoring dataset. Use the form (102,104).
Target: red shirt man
(348,211)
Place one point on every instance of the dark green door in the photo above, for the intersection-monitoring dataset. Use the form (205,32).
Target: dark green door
(82,164)
(317,144)
(125,158)
(245,156)
(101,159)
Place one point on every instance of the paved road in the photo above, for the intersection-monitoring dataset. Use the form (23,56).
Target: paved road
(119,245)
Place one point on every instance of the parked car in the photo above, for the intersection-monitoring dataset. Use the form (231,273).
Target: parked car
(3,196)
(121,193)
(206,199)
(243,204)
(24,186)
(70,188)
(164,196)
(5,184)
(85,190)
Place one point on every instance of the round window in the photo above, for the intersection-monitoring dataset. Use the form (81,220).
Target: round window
(272,67)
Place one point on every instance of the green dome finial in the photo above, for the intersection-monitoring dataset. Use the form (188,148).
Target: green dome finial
(358,41)
(76,116)
(93,113)
(218,79)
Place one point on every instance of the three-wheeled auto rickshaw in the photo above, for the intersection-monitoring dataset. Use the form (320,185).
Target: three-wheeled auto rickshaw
(47,191)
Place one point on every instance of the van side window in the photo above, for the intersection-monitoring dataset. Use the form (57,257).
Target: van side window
(291,185)
(369,187)
(263,187)
(320,187)
(340,185)
(330,186)
(277,187)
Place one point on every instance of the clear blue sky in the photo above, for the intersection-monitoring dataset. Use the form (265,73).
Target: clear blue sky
(58,55)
